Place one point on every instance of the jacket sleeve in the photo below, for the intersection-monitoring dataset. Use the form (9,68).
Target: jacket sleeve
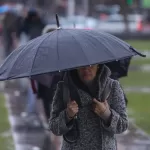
(118,122)
(59,123)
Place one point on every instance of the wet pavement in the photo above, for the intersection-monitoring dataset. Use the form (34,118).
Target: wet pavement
(141,89)
(26,135)
(134,139)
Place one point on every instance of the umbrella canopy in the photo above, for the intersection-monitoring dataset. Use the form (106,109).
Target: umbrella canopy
(119,68)
(64,49)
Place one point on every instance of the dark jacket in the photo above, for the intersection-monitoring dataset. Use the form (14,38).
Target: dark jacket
(47,93)
(33,25)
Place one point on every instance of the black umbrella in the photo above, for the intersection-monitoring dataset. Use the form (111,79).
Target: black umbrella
(64,49)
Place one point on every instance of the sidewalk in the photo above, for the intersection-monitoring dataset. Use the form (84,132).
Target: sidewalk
(25,137)
(37,138)
(133,139)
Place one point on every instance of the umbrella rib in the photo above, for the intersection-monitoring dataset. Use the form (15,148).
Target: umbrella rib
(102,44)
(80,47)
(7,59)
(57,50)
(39,47)
(121,42)
(19,55)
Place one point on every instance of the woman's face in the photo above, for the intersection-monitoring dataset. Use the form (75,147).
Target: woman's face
(87,74)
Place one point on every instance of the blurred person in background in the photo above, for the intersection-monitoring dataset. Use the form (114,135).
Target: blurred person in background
(20,19)
(46,93)
(32,26)
(10,31)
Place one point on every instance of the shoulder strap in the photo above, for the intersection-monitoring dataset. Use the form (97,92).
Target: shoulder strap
(72,93)
(65,94)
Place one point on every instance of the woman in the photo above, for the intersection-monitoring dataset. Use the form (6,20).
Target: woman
(100,114)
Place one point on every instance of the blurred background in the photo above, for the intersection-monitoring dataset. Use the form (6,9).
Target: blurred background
(127,19)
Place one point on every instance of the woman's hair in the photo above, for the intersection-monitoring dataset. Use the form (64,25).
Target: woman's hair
(49,28)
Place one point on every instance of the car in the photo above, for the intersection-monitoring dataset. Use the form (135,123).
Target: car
(115,23)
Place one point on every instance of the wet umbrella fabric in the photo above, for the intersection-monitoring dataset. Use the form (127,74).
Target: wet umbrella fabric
(119,68)
(64,49)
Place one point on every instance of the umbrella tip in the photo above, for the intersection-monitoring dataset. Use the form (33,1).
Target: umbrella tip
(138,53)
(57,21)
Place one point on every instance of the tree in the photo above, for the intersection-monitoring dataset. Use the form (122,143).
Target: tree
(124,5)
(124,10)
(129,2)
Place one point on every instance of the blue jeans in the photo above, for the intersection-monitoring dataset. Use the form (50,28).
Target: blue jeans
(31,102)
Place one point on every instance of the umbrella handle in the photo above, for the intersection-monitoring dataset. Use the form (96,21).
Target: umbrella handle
(69,86)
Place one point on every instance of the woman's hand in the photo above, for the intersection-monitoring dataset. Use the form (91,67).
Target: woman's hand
(99,107)
(72,109)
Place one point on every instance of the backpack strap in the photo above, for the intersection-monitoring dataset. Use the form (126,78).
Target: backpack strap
(70,92)
(66,94)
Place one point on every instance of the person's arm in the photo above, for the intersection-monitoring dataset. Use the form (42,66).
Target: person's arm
(117,120)
(59,123)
